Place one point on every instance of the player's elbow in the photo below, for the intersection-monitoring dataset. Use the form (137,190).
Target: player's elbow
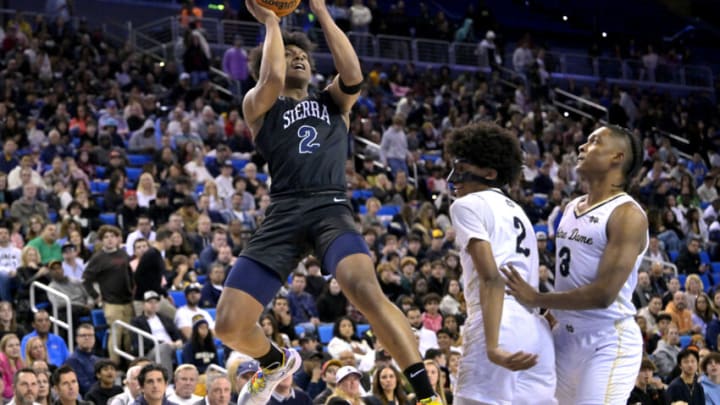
(604,298)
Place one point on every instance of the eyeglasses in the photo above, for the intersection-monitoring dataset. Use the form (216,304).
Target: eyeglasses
(85,335)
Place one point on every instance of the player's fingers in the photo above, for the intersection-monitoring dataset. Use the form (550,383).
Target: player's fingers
(507,273)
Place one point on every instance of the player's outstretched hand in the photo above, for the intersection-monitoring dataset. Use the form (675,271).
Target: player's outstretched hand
(260,13)
(317,5)
(518,287)
(512,361)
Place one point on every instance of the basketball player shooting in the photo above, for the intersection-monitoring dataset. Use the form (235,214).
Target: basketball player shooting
(304,139)
(600,242)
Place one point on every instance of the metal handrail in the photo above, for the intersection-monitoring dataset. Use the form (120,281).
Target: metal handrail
(141,342)
(664,263)
(57,322)
(582,100)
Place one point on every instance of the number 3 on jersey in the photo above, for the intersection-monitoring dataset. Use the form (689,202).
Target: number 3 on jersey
(308,137)
(564,264)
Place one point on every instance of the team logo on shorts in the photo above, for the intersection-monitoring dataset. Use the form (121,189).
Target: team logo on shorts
(570,328)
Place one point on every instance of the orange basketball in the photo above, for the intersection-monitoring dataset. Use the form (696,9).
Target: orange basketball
(281,8)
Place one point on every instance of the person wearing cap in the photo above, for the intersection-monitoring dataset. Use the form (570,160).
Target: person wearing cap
(184,315)
(185,381)
(200,349)
(436,251)
(487,51)
(547,258)
(347,387)
(707,192)
(160,208)
(81,303)
(219,157)
(130,211)
(242,369)
(161,327)
(328,375)
(72,265)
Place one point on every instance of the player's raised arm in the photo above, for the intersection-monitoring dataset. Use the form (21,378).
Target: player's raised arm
(345,88)
(271,75)
(627,231)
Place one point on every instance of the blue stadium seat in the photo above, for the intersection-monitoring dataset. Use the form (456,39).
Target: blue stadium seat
(540,201)
(97,317)
(715,267)
(361,329)
(325,333)
(685,341)
(109,218)
(199,189)
(99,202)
(201,279)
(363,209)
(388,210)
(239,164)
(42,305)
(706,282)
(299,331)
(100,172)
(673,255)
(540,228)
(98,187)
(179,298)
(704,257)
(681,279)
(361,194)
(139,160)
(262,177)
(178,356)
(716,277)
(430,158)
(212,312)
(52,216)
(133,173)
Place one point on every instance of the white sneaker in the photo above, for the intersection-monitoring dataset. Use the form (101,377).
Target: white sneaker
(259,389)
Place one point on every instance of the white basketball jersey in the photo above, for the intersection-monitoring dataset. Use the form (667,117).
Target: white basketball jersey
(493,217)
(580,242)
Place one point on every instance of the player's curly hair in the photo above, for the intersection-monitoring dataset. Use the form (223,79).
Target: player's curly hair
(486,144)
(634,160)
(295,38)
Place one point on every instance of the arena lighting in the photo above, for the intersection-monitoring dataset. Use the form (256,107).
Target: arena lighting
(566,114)
(604,34)
(565,18)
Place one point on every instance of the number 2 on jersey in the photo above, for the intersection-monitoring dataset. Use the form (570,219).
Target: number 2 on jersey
(308,136)
(517,222)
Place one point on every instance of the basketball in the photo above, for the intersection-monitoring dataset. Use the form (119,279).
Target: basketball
(281,8)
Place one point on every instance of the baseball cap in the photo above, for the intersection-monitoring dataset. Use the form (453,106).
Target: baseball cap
(184,76)
(250,366)
(151,295)
(346,371)
(437,233)
(540,235)
(67,246)
(193,287)
(332,362)
(227,163)
(198,319)
(110,103)
(130,193)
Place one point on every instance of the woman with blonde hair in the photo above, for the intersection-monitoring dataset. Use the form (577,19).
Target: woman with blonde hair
(370,218)
(30,270)
(217,203)
(146,190)
(10,362)
(8,321)
(694,286)
(35,350)
(435,375)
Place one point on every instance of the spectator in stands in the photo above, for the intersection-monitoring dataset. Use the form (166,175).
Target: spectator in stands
(393,147)
(196,59)
(150,275)
(347,388)
(72,265)
(161,327)
(703,313)
(688,261)
(160,208)
(345,338)
(144,230)
(270,329)
(8,321)
(686,387)
(387,386)
(710,378)
(110,269)
(218,390)
(56,348)
(651,313)
(131,390)
(210,253)
(673,286)
(707,192)
(285,394)
(185,314)
(104,388)
(24,387)
(332,303)
(80,302)
(665,356)
(153,381)
(427,338)
(186,380)
(682,316)
(82,360)
(283,317)
(431,317)
(24,169)
(235,64)
(10,363)
(237,211)
(28,205)
(210,293)
(648,390)
(643,291)
(46,244)
(243,370)
(302,305)
(200,349)
(67,391)
(9,262)
(657,278)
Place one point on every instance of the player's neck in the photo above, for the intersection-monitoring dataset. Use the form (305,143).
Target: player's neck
(603,188)
(295,93)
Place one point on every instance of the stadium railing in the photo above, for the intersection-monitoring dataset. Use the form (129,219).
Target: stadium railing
(116,331)
(54,318)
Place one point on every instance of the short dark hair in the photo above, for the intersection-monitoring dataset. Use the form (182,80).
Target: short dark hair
(647,364)
(150,368)
(714,356)
(162,234)
(634,162)
(102,363)
(487,145)
(687,353)
(28,370)
(431,297)
(295,38)
(108,229)
(55,378)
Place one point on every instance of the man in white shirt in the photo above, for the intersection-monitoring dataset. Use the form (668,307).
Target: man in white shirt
(427,339)
(218,390)
(186,379)
(25,387)
(707,190)
(144,231)
(224,182)
(9,262)
(184,314)
(131,390)
(161,327)
(72,266)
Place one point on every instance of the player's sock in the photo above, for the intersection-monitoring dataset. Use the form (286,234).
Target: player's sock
(274,358)
(418,378)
